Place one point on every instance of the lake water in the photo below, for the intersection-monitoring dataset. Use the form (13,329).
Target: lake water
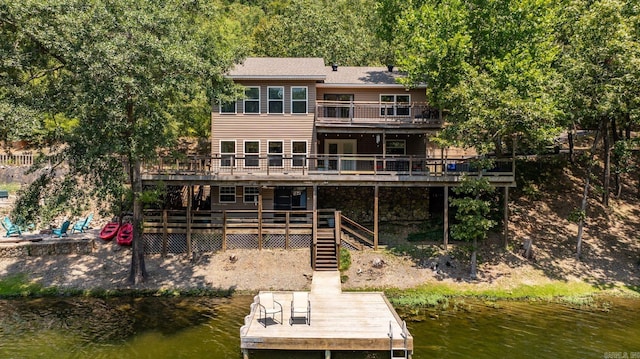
(209,328)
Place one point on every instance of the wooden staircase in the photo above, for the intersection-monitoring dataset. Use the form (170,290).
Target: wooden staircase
(326,255)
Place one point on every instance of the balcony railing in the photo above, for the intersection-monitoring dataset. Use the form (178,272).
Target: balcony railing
(341,112)
(324,165)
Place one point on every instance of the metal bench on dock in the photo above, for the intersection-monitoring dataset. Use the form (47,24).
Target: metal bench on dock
(353,321)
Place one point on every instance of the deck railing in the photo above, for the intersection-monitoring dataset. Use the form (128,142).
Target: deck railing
(344,112)
(16,159)
(325,165)
(257,224)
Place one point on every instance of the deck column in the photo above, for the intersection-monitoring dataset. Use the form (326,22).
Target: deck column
(260,218)
(314,236)
(445,222)
(506,216)
(189,208)
(165,234)
(327,354)
(376,191)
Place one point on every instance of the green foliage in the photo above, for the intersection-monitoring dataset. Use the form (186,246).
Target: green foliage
(472,210)
(577,215)
(340,31)
(345,259)
(487,64)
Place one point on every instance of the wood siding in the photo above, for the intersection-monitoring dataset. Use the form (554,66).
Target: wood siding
(265,127)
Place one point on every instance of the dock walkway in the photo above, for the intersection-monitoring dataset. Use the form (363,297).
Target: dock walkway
(354,321)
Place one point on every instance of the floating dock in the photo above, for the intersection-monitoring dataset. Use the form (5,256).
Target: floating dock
(353,321)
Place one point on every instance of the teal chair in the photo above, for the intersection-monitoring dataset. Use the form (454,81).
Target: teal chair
(62,231)
(82,225)
(10,227)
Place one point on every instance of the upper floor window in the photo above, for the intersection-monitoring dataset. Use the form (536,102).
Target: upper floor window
(276,99)
(298,99)
(275,153)
(395,105)
(227,153)
(228,107)
(299,151)
(396,147)
(252,100)
(252,153)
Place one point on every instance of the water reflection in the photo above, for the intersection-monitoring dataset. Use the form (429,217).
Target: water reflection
(209,328)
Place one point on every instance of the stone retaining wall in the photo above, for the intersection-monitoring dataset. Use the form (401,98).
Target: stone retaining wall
(44,248)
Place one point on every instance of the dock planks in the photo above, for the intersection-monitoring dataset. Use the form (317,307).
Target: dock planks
(339,321)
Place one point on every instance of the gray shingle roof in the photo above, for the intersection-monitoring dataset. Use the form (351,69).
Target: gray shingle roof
(280,68)
(313,68)
(351,75)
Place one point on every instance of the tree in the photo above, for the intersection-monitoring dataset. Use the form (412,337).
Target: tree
(472,211)
(487,64)
(600,62)
(340,31)
(120,70)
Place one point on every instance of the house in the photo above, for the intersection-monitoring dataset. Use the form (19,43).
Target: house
(311,153)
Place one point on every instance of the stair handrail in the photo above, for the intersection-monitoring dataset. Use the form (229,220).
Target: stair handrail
(348,223)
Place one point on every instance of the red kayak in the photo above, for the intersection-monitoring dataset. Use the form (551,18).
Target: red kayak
(125,234)
(109,231)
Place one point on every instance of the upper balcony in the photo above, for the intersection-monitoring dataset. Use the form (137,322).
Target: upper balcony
(377,114)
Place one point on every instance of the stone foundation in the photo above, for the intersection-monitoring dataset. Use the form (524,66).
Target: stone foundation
(48,247)
(396,205)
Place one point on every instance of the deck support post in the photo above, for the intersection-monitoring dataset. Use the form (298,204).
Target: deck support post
(506,216)
(314,230)
(327,354)
(445,219)
(376,193)
(260,218)
(245,353)
(165,234)
(224,231)
(189,208)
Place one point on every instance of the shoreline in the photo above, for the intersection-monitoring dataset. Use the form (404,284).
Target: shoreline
(406,280)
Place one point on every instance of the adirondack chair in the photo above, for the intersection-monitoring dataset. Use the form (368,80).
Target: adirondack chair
(62,231)
(10,227)
(82,225)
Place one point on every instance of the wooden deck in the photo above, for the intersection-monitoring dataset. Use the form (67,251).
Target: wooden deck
(339,321)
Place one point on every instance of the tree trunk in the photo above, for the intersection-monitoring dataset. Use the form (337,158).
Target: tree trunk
(474,260)
(585,194)
(616,159)
(138,272)
(606,180)
(571,145)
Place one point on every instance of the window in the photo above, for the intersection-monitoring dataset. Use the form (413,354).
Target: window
(395,105)
(228,194)
(228,107)
(396,147)
(252,100)
(252,153)
(275,153)
(276,99)
(227,153)
(299,150)
(251,194)
(298,100)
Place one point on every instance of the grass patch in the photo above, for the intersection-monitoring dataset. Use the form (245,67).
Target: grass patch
(431,295)
(345,259)
(12,187)
(18,285)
